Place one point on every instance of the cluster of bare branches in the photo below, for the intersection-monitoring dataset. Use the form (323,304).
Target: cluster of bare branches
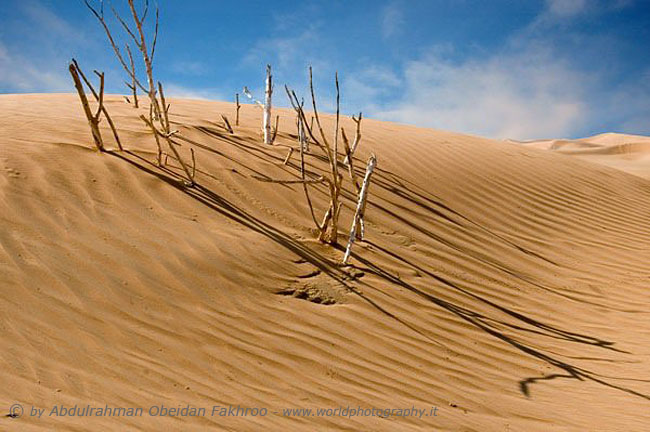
(93,119)
(158,122)
(328,225)
(158,118)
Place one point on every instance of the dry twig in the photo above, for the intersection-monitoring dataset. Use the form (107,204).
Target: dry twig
(360,210)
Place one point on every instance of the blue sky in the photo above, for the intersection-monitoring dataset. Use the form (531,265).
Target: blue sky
(505,69)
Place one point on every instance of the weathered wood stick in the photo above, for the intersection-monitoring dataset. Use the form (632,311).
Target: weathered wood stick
(133,86)
(100,100)
(348,156)
(193,164)
(237,110)
(165,119)
(286,159)
(275,130)
(171,145)
(357,138)
(361,204)
(93,121)
(267,106)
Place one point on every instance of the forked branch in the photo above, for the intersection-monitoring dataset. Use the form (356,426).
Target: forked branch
(357,220)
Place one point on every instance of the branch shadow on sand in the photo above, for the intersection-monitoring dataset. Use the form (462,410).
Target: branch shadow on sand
(487,325)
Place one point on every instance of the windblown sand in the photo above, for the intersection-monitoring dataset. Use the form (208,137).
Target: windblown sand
(506,285)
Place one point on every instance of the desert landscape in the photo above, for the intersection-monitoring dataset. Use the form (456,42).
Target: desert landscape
(503,284)
(172,263)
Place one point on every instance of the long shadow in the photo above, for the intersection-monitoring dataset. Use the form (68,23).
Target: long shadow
(229,210)
(476,319)
(548,330)
(394,184)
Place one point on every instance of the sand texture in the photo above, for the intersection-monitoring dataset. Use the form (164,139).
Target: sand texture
(506,285)
(629,153)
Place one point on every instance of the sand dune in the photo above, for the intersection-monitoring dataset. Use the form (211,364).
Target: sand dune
(629,153)
(503,284)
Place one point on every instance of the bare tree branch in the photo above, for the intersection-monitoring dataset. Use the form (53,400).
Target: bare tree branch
(171,144)
(275,129)
(238,107)
(361,206)
(100,99)
(93,120)
(118,54)
(133,86)
(357,139)
(348,156)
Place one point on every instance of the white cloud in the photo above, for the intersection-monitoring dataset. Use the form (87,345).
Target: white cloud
(372,83)
(566,8)
(183,92)
(517,95)
(49,21)
(35,59)
(391,20)
(188,67)
(21,74)
(286,52)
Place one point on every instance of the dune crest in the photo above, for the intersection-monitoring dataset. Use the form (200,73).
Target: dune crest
(629,153)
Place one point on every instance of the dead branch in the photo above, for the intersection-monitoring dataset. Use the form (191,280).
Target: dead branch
(193,164)
(286,159)
(335,173)
(157,138)
(275,129)
(357,138)
(172,145)
(266,121)
(266,106)
(100,99)
(133,86)
(348,156)
(302,138)
(361,205)
(237,110)
(100,17)
(227,124)
(330,219)
(93,120)
(166,107)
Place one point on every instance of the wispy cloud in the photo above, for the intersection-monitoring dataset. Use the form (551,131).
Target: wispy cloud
(49,20)
(183,92)
(22,74)
(391,20)
(529,88)
(508,96)
(32,62)
(189,67)
(566,8)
